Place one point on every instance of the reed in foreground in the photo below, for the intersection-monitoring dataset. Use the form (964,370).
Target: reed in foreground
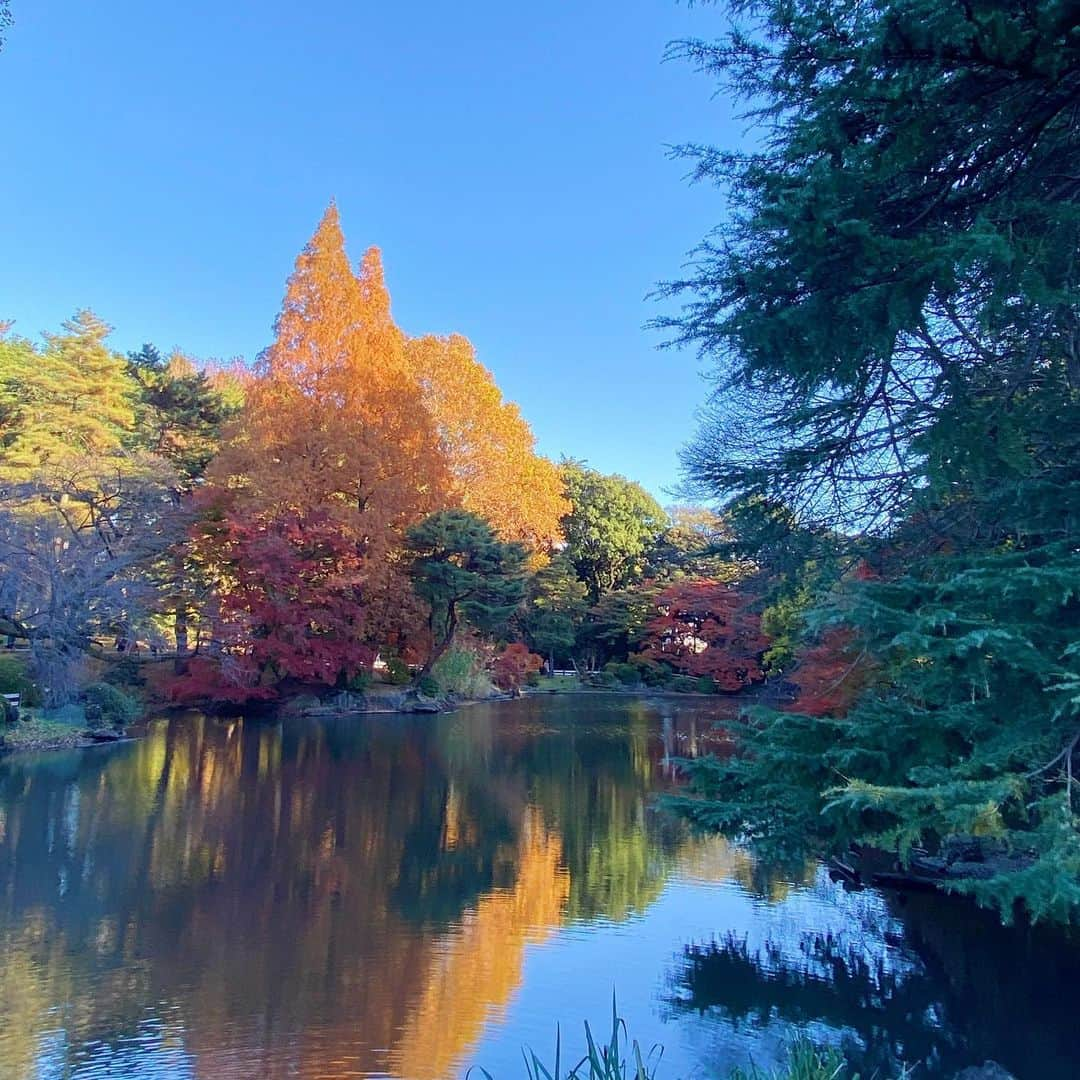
(620,1058)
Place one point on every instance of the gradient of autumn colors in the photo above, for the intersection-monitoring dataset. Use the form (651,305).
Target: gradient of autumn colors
(351,433)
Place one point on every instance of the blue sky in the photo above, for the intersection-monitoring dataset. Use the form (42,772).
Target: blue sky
(164,164)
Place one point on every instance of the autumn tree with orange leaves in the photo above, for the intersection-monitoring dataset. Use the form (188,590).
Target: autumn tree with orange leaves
(333,442)
(351,434)
(489,449)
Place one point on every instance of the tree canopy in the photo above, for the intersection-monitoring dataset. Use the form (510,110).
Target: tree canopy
(891,313)
(610,527)
(462,570)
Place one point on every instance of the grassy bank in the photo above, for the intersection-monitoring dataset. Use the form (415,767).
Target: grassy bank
(571,684)
(36,730)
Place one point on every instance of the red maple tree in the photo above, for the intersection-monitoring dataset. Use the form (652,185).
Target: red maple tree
(706,627)
(514,665)
(294,606)
(830,673)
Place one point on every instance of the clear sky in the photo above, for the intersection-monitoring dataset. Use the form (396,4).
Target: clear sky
(164,163)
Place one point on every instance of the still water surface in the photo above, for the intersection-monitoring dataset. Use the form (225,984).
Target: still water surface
(405,897)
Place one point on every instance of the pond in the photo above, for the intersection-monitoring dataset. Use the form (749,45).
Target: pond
(409,896)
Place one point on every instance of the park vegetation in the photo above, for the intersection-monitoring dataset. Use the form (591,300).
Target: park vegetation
(358,504)
(890,311)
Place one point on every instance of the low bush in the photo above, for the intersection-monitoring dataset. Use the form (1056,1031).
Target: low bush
(428,686)
(359,683)
(15,680)
(108,706)
(684,684)
(706,685)
(604,680)
(127,671)
(651,673)
(627,674)
(397,671)
(462,672)
(513,666)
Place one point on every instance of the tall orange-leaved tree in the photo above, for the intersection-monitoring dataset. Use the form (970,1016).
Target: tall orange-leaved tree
(489,448)
(334,438)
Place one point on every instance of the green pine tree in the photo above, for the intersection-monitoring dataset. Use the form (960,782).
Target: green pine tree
(893,312)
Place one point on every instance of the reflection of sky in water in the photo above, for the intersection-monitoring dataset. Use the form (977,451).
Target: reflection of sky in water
(155,1051)
(570,978)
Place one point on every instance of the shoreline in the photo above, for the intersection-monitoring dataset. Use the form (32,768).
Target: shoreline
(37,735)
(40,735)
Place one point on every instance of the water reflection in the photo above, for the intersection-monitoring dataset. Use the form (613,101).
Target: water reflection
(310,896)
(403,896)
(911,981)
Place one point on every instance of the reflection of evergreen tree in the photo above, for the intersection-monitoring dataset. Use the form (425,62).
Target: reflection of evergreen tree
(440,875)
(883,1017)
(593,780)
(1013,988)
(971,991)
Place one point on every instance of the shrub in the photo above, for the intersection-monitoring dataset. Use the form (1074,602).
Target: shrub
(706,685)
(650,671)
(627,674)
(107,706)
(14,679)
(359,683)
(462,672)
(513,665)
(397,671)
(428,686)
(127,671)
(605,680)
(684,684)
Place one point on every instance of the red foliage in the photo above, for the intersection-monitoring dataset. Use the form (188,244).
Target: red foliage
(706,627)
(514,665)
(830,675)
(292,607)
(225,678)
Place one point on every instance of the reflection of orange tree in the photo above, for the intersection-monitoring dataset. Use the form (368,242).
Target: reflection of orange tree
(310,895)
(716,859)
(477,967)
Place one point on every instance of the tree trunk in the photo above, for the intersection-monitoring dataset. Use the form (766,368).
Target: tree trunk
(438,648)
(180,629)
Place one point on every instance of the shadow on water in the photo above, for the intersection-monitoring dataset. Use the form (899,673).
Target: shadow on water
(911,980)
(386,895)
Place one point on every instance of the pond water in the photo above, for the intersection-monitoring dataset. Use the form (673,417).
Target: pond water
(409,896)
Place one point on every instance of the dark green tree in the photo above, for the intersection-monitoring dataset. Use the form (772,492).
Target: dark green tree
(615,627)
(464,572)
(892,311)
(612,526)
(555,610)
(902,239)
(179,414)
